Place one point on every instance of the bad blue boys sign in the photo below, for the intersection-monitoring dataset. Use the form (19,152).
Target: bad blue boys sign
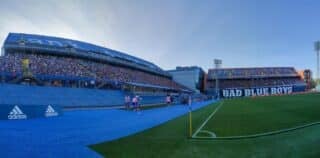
(264,91)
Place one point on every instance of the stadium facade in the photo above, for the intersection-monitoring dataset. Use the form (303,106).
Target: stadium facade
(264,81)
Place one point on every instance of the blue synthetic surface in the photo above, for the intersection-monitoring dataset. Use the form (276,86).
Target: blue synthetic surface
(69,135)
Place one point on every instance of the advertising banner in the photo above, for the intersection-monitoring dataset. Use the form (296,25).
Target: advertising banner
(22,112)
(263,91)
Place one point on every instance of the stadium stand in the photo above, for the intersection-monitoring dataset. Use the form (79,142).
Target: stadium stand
(246,78)
(69,73)
(63,62)
(54,66)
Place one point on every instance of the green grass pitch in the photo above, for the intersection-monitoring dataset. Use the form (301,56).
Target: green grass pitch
(240,117)
(235,117)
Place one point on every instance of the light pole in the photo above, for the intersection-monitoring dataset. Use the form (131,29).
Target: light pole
(217,65)
(317,49)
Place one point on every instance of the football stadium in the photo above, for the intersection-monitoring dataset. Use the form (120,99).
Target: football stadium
(101,101)
(65,95)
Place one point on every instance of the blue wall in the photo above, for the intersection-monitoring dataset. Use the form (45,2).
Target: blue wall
(24,102)
(33,101)
(152,99)
(65,97)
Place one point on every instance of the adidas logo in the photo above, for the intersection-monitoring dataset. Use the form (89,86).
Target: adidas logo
(50,112)
(16,113)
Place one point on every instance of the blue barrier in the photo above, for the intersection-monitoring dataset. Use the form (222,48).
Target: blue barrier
(152,99)
(67,97)
(62,96)
(18,112)
(33,100)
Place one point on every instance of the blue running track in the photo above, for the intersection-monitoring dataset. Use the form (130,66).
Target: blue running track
(69,135)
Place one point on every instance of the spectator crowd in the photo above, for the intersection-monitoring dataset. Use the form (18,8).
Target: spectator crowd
(261,82)
(252,72)
(253,77)
(41,64)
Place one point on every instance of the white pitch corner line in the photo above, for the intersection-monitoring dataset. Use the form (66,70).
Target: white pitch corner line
(212,135)
(206,121)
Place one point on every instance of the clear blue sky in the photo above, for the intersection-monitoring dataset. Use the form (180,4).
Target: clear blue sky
(243,33)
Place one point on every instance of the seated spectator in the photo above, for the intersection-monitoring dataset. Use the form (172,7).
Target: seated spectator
(49,65)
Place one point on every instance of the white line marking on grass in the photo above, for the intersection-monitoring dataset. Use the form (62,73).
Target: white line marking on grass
(259,134)
(206,121)
(212,135)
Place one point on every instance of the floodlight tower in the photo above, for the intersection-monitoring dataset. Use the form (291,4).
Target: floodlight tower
(317,49)
(217,66)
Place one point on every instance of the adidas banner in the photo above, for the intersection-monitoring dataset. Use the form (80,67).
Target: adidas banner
(21,112)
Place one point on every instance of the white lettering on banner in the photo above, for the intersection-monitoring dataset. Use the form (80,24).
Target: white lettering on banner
(50,112)
(238,93)
(259,92)
(16,113)
(273,91)
(33,40)
(55,43)
(225,93)
(252,92)
(279,90)
(265,91)
(287,90)
(232,94)
(52,42)
(247,92)
(72,44)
